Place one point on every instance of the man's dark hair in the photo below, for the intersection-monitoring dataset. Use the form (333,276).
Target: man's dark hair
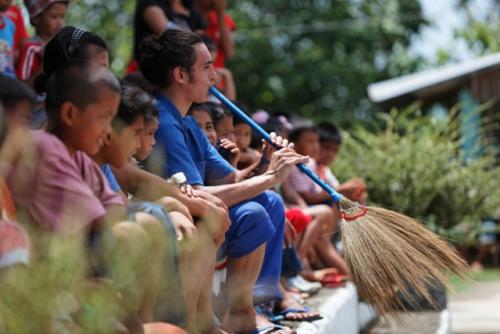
(134,103)
(329,133)
(159,56)
(300,129)
(13,91)
(78,85)
(70,46)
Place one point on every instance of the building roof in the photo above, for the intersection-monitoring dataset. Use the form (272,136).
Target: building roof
(434,80)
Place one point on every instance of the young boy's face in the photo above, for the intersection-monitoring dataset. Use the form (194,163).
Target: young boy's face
(225,129)
(123,145)
(147,140)
(242,135)
(205,122)
(327,153)
(91,126)
(51,20)
(308,144)
(19,115)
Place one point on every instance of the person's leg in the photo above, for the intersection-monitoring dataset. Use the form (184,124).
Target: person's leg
(171,287)
(267,286)
(328,216)
(128,247)
(156,234)
(244,247)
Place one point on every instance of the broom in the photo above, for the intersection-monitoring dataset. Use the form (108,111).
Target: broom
(386,252)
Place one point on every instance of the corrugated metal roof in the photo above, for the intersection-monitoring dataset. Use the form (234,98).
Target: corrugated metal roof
(390,89)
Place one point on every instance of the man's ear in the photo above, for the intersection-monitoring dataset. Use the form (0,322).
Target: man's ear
(68,113)
(180,75)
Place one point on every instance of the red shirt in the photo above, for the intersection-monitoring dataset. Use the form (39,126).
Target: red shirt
(30,59)
(213,32)
(15,14)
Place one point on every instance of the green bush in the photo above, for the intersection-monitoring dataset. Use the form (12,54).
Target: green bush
(414,164)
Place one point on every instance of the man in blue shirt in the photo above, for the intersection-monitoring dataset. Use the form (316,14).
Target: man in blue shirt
(180,65)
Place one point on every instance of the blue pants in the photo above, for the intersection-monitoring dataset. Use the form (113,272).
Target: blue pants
(254,222)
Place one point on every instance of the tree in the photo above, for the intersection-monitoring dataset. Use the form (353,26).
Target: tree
(316,58)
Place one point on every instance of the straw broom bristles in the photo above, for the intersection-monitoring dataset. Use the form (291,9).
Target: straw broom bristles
(387,252)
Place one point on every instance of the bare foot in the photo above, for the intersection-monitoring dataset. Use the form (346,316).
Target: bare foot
(289,302)
(247,322)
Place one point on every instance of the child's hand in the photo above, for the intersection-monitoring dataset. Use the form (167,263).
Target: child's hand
(233,149)
(187,190)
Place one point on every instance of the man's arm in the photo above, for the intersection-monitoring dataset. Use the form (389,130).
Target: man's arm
(280,166)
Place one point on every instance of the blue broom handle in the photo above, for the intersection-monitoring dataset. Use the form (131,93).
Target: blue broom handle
(336,197)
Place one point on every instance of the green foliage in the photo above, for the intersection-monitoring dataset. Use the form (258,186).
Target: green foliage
(54,294)
(415,166)
(315,58)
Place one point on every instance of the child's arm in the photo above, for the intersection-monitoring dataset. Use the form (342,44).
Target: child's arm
(149,187)
(291,196)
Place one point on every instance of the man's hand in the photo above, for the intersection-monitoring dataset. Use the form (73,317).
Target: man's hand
(282,162)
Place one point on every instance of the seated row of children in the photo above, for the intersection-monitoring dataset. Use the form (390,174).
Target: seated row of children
(157,235)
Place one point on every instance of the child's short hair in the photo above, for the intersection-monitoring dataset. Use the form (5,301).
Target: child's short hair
(78,85)
(243,108)
(134,103)
(215,110)
(298,130)
(137,79)
(68,47)
(329,133)
(13,91)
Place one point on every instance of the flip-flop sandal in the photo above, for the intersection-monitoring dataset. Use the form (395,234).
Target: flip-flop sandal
(334,281)
(281,316)
(268,329)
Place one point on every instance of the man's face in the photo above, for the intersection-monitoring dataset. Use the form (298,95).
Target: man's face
(122,146)
(308,144)
(147,140)
(202,75)
(327,153)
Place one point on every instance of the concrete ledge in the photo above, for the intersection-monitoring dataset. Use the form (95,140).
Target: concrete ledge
(342,312)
